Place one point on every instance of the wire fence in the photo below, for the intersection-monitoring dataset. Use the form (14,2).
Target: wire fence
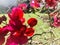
(6,8)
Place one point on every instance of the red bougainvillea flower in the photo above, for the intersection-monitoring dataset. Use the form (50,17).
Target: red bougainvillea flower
(3,32)
(19,32)
(56,22)
(23,6)
(51,3)
(52,15)
(32,22)
(29,31)
(16,13)
(17,36)
(16,40)
(34,4)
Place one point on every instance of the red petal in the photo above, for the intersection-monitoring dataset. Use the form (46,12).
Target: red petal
(16,40)
(29,31)
(16,34)
(22,20)
(10,41)
(32,22)
(22,30)
(3,31)
(23,40)
(16,13)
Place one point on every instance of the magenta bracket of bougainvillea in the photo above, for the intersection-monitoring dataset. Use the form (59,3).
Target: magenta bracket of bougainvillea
(19,32)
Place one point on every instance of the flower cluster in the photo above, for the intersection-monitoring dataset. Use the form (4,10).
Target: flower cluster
(51,2)
(56,21)
(23,6)
(34,4)
(19,32)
